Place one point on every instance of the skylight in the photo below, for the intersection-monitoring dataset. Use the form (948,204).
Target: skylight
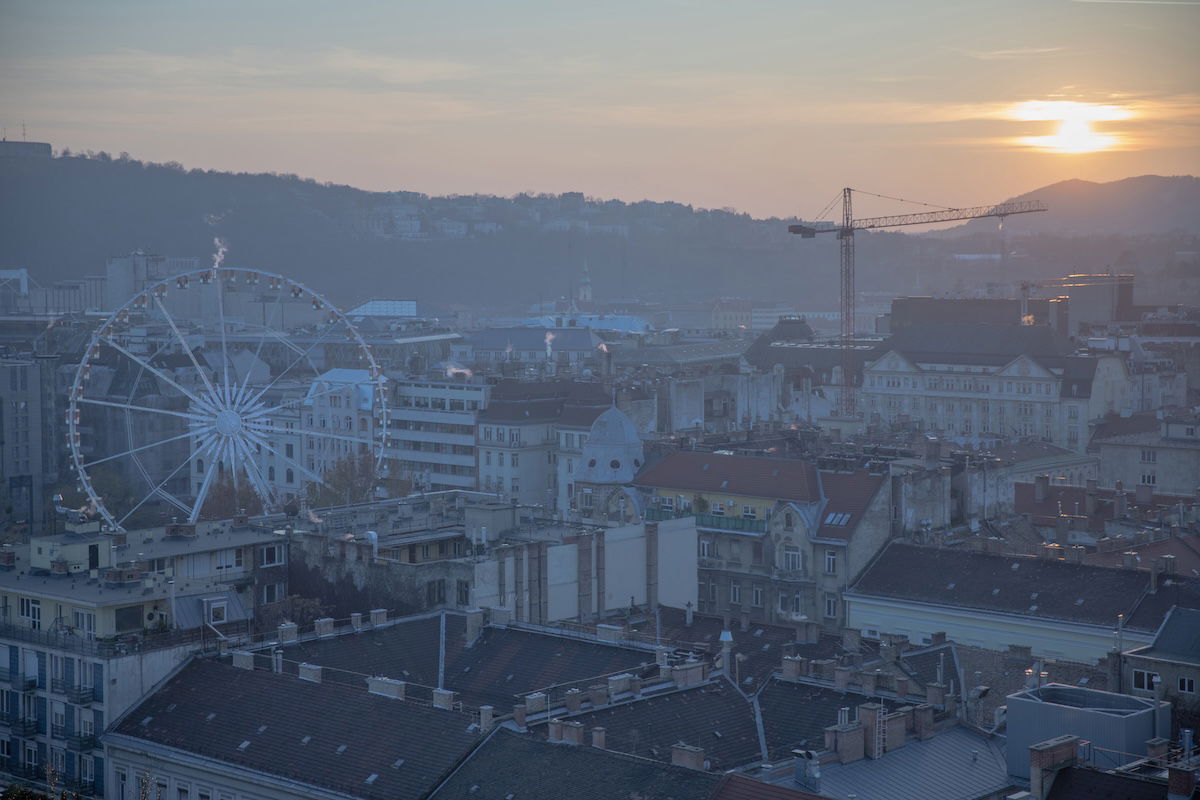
(837,518)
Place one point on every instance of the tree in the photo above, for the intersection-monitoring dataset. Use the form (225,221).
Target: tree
(350,480)
(224,500)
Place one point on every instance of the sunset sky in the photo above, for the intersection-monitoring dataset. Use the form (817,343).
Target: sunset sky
(765,107)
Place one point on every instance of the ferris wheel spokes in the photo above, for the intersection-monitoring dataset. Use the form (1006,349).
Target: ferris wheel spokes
(91,401)
(183,343)
(159,374)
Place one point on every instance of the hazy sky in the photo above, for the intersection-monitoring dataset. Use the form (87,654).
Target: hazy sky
(765,107)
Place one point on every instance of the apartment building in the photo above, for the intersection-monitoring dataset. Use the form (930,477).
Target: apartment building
(30,439)
(431,432)
(970,381)
(90,622)
(339,418)
(1166,458)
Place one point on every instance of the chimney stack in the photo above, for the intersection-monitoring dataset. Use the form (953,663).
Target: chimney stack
(1041,488)
(277,660)
(486,716)
(310,672)
(598,738)
(684,755)
(687,614)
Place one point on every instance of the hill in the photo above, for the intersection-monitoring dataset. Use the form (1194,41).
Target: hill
(1147,204)
(62,217)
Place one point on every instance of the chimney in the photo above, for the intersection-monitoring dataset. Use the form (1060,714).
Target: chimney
(791,668)
(851,639)
(386,687)
(243,659)
(841,678)
(324,626)
(1181,782)
(1129,559)
(356,619)
(1075,554)
(535,703)
(555,730)
(902,686)
(662,656)
(519,715)
(1041,488)
(598,695)
(277,660)
(1155,569)
(598,737)
(870,681)
(443,698)
(935,694)
(1168,564)
(287,632)
(684,755)
(1122,505)
(1047,758)
(378,616)
(572,732)
(1157,747)
(474,624)
(573,700)
(310,672)
(923,721)
(868,715)
(687,614)
(1143,495)
(486,718)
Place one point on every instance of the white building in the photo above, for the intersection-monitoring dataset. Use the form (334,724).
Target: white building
(431,433)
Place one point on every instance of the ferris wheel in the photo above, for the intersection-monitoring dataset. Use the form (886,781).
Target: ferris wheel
(209,384)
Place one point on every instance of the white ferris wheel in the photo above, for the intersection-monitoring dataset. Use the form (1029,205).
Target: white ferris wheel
(210,379)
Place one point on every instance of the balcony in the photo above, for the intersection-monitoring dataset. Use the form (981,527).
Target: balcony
(82,742)
(58,732)
(23,683)
(22,727)
(80,695)
(58,686)
(717,521)
(83,788)
(791,575)
(22,769)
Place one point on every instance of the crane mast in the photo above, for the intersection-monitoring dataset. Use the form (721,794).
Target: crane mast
(847,401)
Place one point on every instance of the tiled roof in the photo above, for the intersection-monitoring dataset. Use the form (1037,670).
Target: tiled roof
(1179,637)
(795,715)
(1033,587)
(522,412)
(967,342)
(849,494)
(1172,591)
(281,725)
(762,645)
(738,787)
(1083,783)
(1185,549)
(524,768)
(923,664)
(1070,498)
(680,354)
(771,478)
(502,662)
(714,717)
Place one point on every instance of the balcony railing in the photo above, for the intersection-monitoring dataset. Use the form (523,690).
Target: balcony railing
(80,695)
(718,521)
(58,686)
(82,742)
(23,683)
(84,788)
(58,732)
(22,727)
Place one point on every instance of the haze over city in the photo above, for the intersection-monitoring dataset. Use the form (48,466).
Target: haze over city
(766,107)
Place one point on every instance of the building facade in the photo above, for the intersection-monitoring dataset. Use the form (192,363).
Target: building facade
(431,433)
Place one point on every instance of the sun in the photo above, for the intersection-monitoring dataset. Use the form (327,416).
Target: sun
(1075,132)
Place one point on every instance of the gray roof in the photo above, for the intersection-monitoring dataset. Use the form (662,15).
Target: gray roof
(1179,637)
(945,766)
(526,339)
(978,343)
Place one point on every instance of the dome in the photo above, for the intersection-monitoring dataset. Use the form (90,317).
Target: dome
(613,453)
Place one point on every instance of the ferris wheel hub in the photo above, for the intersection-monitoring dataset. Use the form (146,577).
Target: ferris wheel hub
(228,422)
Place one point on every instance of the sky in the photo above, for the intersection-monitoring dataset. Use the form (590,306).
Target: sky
(765,107)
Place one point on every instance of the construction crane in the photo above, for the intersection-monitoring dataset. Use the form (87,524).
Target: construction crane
(845,233)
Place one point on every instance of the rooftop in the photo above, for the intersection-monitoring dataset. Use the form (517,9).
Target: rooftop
(322,734)
(508,764)
(1178,639)
(748,476)
(956,764)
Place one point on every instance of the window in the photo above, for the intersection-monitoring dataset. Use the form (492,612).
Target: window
(1144,680)
(217,612)
(735,594)
(424,552)
(749,512)
(1149,456)
(289,450)
(756,597)
(84,623)
(788,522)
(1149,478)
(435,592)
(271,555)
(272,593)
(831,562)
(464,593)
(718,509)
(1187,685)
(516,486)
(706,548)
(513,459)
(793,560)
(783,601)
(289,477)
(31,612)
(838,519)
(831,605)
(499,459)
(796,603)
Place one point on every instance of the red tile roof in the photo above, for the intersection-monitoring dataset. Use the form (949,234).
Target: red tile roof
(848,493)
(749,476)
(739,787)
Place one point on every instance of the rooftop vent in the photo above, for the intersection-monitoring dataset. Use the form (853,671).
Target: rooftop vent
(306,740)
(341,749)
(371,778)
(244,745)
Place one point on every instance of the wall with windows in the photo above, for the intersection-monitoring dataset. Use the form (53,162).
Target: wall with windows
(1179,681)
(1171,466)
